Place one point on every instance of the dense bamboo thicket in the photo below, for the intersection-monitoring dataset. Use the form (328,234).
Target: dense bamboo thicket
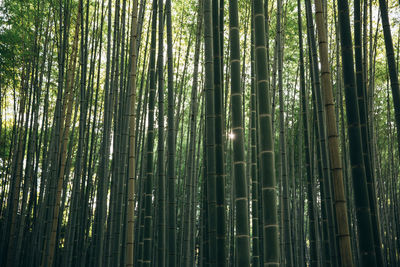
(199,133)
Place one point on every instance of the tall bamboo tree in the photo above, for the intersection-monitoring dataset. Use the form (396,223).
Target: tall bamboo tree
(217,13)
(362,106)
(210,134)
(239,168)
(266,144)
(253,161)
(161,227)
(148,220)
(365,240)
(171,145)
(132,140)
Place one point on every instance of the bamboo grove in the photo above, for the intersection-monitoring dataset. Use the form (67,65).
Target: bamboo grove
(199,133)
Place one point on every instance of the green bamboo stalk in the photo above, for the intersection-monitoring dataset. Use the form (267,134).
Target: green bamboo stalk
(219,131)
(242,254)
(129,261)
(365,240)
(147,247)
(171,145)
(161,227)
(266,144)
(362,105)
(253,160)
(210,134)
